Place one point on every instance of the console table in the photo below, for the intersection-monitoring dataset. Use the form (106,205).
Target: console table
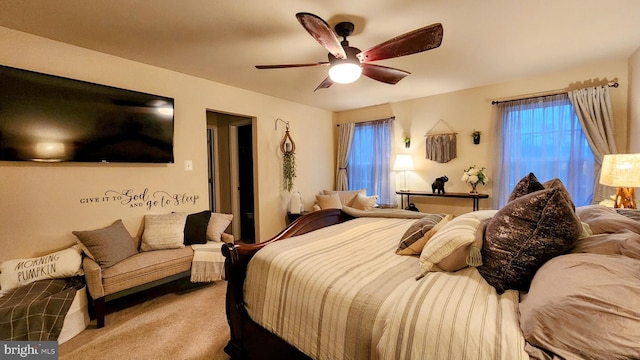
(474,197)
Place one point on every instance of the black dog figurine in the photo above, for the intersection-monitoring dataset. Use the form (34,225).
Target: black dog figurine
(439,185)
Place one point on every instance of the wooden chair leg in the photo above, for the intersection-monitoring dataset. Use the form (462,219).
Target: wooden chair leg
(100,311)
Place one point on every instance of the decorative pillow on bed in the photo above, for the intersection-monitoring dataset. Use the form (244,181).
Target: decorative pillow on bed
(625,243)
(526,233)
(583,306)
(633,214)
(420,232)
(164,231)
(347,197)
(557,184)
(455,234)
(363,202)
(526,185)
(108,245)
(602,219)
(466,255)
(195,228)
(329,201)
(60,264)
(217,225)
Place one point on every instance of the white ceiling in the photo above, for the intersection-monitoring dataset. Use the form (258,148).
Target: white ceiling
(484,42)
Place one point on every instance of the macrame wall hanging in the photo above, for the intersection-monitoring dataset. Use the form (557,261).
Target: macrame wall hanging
(288,148)
(441,146)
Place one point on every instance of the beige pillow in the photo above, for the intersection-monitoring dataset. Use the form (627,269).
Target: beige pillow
(465,255)
(218,223)
(329,201)
(347,197)
(363,202)
(60,264)
(163,231)
(457,233)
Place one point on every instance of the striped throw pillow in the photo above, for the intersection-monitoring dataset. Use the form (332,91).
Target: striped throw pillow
(457,233)
(418,234)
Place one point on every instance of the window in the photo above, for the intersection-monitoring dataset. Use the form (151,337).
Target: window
(369,160)
(544,136)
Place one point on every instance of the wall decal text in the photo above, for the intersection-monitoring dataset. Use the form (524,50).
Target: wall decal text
(144,198)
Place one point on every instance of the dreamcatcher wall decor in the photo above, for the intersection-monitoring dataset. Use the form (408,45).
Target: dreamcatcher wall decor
(441,146)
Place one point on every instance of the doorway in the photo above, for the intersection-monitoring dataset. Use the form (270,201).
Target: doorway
(231,171)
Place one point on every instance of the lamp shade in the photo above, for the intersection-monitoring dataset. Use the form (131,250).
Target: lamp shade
(621,170)
(404,162)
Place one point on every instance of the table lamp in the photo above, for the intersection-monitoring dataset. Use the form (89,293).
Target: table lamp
(404,162)
(623,172)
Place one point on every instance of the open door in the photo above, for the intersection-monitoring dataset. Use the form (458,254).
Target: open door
(231,172)
(242,197)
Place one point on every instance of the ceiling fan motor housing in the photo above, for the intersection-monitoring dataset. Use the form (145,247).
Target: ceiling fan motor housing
(351,56)
(344,29)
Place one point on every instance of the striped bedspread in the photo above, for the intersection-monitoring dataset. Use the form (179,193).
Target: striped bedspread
(342,293)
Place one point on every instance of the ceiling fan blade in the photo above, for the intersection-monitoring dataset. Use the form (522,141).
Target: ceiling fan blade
(383,73)
(426,38)
(290,65)
(322,32)
(324,84)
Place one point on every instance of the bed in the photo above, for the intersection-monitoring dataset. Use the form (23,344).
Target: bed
(332,286)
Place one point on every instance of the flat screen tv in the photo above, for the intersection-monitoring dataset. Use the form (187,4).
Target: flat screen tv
(51,119)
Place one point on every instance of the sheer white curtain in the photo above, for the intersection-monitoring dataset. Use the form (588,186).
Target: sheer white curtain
(593,107)
(543,135)
(345,135)
(369,162)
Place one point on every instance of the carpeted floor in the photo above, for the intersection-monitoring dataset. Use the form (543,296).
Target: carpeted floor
(184,323)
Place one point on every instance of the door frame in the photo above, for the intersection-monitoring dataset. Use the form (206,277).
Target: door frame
(222,166)
(234,179)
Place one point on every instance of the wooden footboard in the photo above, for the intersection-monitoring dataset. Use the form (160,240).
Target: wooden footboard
(248,339)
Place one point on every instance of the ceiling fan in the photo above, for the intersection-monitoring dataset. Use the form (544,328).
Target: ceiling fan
(348,63)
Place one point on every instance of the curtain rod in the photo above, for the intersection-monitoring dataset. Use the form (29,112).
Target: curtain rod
(388,118)
(545,94)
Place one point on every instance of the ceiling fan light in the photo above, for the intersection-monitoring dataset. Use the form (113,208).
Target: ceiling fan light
(345,73)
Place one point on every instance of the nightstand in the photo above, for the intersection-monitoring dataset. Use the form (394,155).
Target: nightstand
(291,217)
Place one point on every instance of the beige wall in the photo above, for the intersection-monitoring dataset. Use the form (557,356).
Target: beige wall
(42,203)
(471,109)
(634,102)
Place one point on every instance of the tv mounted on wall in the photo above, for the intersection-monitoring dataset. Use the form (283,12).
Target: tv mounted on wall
(51,119)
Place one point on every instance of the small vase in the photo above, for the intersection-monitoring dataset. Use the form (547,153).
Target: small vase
(474,191)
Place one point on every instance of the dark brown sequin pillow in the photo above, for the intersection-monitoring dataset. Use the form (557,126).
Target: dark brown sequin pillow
(526,185)
(525,234)
(557,183)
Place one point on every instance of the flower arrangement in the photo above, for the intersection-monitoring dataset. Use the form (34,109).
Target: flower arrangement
(474,176)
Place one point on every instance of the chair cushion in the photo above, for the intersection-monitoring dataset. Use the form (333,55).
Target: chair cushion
(146,267)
